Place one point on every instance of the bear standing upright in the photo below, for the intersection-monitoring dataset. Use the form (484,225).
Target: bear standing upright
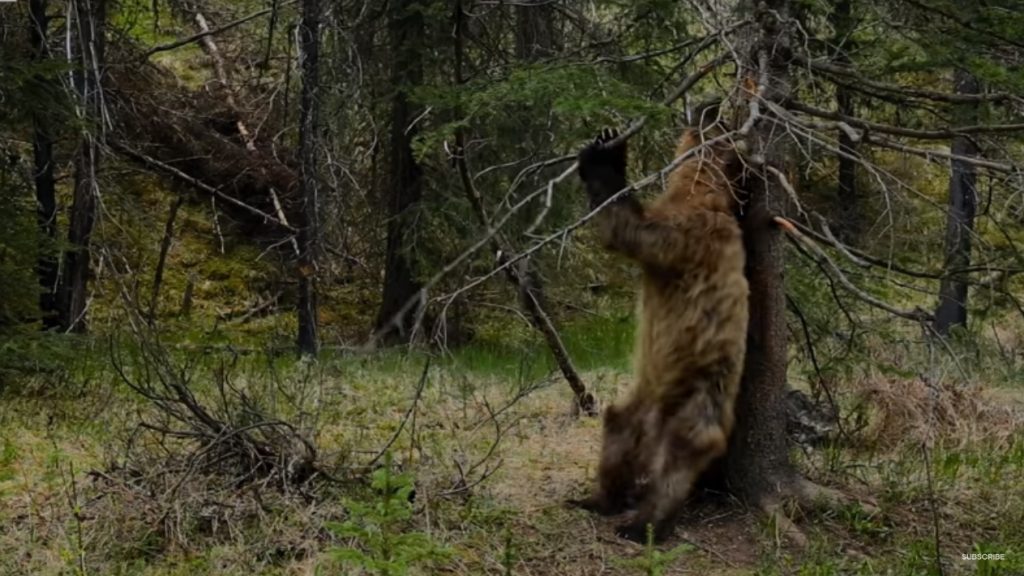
(691,338)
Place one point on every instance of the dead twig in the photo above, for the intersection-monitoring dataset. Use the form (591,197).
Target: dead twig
(208,32)
(408,413)
(917,314)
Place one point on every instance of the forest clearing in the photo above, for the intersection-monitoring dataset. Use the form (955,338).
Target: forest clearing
(298,287)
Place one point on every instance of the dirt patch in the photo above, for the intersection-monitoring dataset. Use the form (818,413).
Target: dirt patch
(726,532)
(554,457)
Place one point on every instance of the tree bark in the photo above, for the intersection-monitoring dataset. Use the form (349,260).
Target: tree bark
(88,19)
(757,465)
(849,204)
(952,307)
(532,300)
(47,267)
(536,35)
(395,319)
(309,40)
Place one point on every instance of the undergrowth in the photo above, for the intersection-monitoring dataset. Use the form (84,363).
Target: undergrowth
(485,443)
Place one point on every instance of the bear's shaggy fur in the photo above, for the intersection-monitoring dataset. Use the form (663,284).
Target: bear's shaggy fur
(692,332)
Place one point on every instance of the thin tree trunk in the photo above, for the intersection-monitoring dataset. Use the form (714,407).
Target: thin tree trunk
(849,203)
(532,298)
(536,36)
(210,47)
(952,307)
(309,41)
(525,276)
(531,294)
(161,261)
(47,267)
(88,18)
(186,298)
(757,465)
(405,186)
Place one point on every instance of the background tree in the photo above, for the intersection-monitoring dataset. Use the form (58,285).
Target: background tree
(537,24)
(259,194)
(43,170)
(405,178)
(842,46)
(87,24)
(963,206)
(309,41)
(525,277)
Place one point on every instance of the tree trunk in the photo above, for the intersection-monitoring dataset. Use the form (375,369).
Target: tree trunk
(757,465)
(396,318)
(186,298)
(47,266)
(309,41)
(88,18)
(161,261)
(952,308)
(849,203)
(531,295)
(535,39)
(221,70)
(536,36)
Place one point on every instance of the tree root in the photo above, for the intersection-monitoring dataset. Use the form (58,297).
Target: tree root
(774,508)
(804,493)
(815,496)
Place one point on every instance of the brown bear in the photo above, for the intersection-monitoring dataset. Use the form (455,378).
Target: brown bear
(691,337)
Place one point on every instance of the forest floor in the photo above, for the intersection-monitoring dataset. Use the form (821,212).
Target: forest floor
(493,453)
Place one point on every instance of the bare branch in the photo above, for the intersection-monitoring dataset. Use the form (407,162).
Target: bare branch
(863,259)
(917,314)
(966,24)
(692,80)
(787,187)
(185,178)
(941,134)
(855,79)
(199,36)
(932,155)
(412,407)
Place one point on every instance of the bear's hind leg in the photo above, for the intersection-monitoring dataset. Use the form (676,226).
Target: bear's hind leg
(686,448)
(622,463)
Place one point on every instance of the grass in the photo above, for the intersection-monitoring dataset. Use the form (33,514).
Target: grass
(487,492)
(598,343)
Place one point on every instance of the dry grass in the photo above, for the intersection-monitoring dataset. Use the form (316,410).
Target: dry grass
(498,504)
(912,410)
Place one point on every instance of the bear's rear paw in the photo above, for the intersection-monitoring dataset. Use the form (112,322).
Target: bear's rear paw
(597,505)
(637,530)
(632,531)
